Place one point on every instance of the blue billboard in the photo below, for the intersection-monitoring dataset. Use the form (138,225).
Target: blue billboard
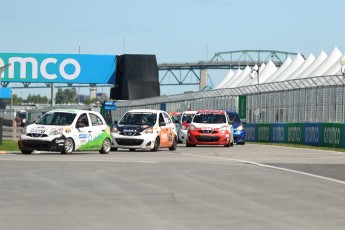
(5,93)
(312,134)
(58,68)
(278,133)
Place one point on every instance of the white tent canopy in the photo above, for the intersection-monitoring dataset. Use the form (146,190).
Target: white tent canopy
(235,77)
(240,78)
(302,67)
(291,69)
(326,64)
(281,69)
(226,79)
(295,64)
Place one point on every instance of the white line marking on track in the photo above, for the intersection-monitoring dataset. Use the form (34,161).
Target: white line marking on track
(269,166)
(79,160)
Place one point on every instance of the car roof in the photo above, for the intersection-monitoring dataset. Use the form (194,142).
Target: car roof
(211,111)
(230,112)
(146,110)
(189,112)
(75,111)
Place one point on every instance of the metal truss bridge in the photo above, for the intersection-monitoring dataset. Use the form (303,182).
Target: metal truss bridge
(197,73)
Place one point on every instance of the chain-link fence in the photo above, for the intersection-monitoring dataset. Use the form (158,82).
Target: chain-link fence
(316,99)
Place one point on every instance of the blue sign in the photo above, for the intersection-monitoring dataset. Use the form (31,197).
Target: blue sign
(278,133)
(110,105)
(250,132)
(163,106)
(58,68)
(5,93)
(312,134)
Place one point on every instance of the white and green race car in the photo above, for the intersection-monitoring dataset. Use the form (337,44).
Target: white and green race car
(65,131)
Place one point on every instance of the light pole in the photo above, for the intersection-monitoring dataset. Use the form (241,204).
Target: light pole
(342,67)
(255,69)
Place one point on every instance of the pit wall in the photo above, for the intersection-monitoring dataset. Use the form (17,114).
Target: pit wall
(316,134)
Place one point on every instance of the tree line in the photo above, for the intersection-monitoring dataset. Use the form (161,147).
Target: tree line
(62,97)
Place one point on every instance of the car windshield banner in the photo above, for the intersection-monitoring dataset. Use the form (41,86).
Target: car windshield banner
(58,68)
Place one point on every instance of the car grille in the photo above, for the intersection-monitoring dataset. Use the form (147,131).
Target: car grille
(130,134)
(208,131)
(130,142)
(36,144)
(37,135)
(207,138)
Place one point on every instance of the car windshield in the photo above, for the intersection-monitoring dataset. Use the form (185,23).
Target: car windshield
(138,118)
(209,118)
(234,117)
(175,119)
(187,118)
(57,118)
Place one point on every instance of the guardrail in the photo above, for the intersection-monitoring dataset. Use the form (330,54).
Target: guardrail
(315,134)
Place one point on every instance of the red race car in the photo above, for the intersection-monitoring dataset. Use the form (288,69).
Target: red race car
(210,127)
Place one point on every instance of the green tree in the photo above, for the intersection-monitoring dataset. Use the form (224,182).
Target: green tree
(37,99)
(90,101)
(16,100)
(66,96)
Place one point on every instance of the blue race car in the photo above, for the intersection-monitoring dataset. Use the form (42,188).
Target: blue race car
(238,126)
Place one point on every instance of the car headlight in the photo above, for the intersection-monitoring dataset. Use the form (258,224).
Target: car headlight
(240,127)
(55,132)
(192,127)
(114,130)
(148,130)
(222,129)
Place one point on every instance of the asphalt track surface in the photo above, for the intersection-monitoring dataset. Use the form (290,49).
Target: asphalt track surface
(242,187)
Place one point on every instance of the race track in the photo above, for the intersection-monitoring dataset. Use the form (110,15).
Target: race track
(242,187)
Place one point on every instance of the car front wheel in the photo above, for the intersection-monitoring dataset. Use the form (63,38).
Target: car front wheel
(174,145)
(106,146)
(68,147)
(26,152)
(156,145)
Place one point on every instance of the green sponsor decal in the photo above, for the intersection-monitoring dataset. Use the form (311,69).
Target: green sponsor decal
(294,133)
(96,143)
(242,106)
(332,135)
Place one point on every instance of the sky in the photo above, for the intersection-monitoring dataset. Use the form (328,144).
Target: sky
(174,31)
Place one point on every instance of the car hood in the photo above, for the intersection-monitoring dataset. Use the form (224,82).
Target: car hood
(203,125)
(235,125)
(34,128)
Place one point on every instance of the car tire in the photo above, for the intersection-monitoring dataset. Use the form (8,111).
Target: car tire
(26,152)
(189,145)
(68,146)
(227,145)
(174,145)
(232,143)
(106,146)
(156,145)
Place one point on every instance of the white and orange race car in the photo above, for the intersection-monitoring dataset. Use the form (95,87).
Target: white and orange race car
(144,129)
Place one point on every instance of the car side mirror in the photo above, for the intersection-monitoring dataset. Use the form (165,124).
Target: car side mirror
(162,123)
(115,122)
